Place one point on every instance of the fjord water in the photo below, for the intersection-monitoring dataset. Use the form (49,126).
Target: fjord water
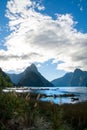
(79,92)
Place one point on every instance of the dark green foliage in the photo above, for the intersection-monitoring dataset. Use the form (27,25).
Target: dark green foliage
(16,109)
(76,115)
(27,112)
(5,80)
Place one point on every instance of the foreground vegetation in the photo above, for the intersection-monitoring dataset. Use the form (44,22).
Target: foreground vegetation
(21,112)
(5,80)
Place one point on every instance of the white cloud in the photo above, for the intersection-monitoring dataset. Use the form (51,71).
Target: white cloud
(38,65)
(36,37)
(81,8)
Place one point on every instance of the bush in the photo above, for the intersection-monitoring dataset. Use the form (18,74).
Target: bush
(20,110)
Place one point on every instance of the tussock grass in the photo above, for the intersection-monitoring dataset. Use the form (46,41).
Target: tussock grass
(76,115)
(27,112)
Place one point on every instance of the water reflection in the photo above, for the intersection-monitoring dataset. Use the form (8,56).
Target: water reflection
(79,92)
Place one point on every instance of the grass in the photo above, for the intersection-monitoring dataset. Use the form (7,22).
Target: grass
(26,111)
(76,115)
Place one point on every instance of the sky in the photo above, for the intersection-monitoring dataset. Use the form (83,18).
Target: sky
(50,33)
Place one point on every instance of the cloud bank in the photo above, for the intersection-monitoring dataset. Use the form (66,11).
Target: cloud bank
(36,37)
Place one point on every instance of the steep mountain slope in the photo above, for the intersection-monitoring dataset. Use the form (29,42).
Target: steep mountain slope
(30,77)
(15,78)
(5,80)
(77,78)
(63,81)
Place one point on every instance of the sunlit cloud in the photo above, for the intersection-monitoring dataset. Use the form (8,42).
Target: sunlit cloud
(36,37)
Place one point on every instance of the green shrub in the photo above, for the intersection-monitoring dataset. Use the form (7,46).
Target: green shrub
(27,112)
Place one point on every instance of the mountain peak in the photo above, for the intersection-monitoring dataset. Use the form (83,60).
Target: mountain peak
(32,77)
(32,67)
(77,70)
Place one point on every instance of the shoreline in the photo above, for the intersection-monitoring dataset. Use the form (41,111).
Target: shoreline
(66,95)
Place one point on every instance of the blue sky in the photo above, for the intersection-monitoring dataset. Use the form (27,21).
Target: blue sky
(50,33)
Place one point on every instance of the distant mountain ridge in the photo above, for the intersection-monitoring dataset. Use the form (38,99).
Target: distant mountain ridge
(30,77)
(79,78)
(76,78)
(63,81)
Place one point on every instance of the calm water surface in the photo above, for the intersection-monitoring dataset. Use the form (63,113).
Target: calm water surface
(80,92)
